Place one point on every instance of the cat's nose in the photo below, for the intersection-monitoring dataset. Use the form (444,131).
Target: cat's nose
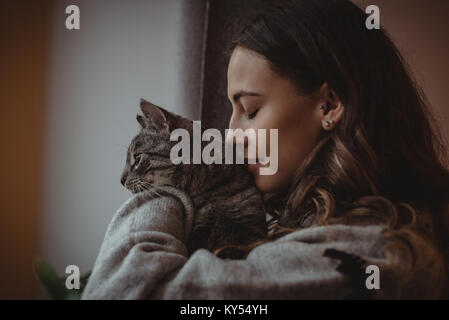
(123,179)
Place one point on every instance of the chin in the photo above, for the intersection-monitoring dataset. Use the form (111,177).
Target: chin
(266,184)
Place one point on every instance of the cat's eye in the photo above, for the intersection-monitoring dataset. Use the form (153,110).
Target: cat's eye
(253,115)
(137,159)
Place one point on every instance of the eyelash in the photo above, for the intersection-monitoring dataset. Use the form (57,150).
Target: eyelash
(253,115)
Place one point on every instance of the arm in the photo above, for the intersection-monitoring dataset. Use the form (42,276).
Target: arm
(144,256)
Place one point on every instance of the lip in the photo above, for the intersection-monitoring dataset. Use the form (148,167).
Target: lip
(253,167)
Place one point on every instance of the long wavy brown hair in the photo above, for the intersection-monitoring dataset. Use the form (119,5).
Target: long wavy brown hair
(383,162)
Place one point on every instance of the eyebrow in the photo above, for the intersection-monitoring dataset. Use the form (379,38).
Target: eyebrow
(243,93)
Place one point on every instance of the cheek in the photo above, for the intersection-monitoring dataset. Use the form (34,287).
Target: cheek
(296,142)
(266,120)
(296,139)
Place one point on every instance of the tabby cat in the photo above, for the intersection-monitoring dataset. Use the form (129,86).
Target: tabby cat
(228,208)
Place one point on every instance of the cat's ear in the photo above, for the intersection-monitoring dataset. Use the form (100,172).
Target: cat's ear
(154,114)
(142,121)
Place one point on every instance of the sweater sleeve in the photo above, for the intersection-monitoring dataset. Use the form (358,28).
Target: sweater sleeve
(143,256)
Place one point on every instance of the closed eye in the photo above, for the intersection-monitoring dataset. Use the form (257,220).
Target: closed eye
(253,115)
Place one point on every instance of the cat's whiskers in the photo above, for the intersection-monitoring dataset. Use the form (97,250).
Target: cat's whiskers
(139,185)
(155,190)
(133,185)
(152,188)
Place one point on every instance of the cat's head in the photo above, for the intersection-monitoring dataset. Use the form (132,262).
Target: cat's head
(148,163)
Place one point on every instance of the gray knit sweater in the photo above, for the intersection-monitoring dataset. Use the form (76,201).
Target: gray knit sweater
(143,256)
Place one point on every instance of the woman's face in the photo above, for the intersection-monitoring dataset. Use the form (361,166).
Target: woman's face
(261,99)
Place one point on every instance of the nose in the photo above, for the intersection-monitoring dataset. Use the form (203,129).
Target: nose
(237,139)
(123,178)
(231,138)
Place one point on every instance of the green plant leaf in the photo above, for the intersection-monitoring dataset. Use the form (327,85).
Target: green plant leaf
(54,285)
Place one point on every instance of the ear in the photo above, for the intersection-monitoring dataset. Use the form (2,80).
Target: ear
(152,111)
(153,114)
(332,108)
(142,121)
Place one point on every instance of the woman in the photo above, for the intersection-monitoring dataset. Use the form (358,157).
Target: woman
(360,188)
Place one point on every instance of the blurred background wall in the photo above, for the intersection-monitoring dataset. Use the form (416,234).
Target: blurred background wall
(124,50)
(421,31)
(24,49)
(69,99)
